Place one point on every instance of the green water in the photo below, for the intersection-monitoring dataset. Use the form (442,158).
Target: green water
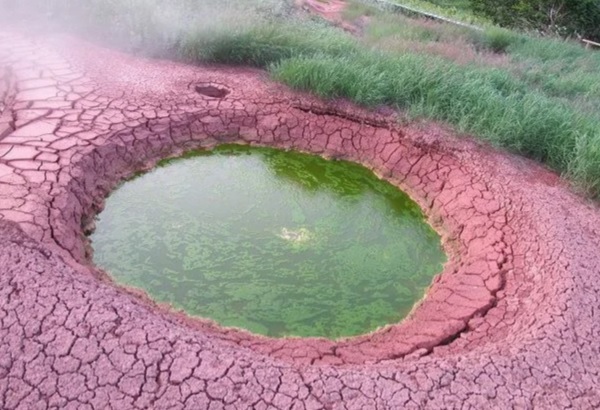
(279,243)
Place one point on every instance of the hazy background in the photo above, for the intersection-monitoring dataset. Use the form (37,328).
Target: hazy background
(152,26)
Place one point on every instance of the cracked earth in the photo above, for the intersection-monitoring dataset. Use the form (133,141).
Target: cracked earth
(511,322)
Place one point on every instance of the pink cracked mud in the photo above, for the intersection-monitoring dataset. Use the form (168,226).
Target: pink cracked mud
(512,320)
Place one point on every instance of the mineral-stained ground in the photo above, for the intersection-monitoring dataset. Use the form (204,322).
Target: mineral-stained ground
(513,320)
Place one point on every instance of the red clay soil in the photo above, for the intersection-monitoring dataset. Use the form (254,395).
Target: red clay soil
(329,9)
(512,321)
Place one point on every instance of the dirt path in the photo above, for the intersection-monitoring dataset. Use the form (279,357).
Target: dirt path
(332,11)
(512,320)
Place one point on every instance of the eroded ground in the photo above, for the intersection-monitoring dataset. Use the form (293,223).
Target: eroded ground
(512,320)
(332,11)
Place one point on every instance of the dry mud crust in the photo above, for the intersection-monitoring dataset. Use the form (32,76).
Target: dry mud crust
(512,320)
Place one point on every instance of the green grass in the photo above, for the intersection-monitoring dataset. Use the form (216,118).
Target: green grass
(496,39)
(464,5)
(356,9)
(458,10)
(487,103)
(400,27)
(561,68)
(262,45)
(534,96)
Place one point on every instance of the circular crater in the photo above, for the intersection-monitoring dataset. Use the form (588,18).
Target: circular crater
(277,242)
(211,90)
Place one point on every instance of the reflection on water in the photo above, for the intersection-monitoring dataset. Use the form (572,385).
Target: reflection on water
(280,243)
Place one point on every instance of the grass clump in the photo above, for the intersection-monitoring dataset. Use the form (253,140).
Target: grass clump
(496,39)
(488,103)
(357,9)
(403,28)
(458,10)
(586,169)
(262,45)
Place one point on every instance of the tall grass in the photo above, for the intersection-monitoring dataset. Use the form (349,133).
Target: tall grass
(559,68)
(487,103)
(553,66)
(357,9)
(456,10)
(265,44)
(496,39)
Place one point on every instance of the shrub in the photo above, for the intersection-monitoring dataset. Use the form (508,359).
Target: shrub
(262,45)
(563,17)
(496,39)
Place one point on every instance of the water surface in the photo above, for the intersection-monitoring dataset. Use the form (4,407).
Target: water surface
(279,243)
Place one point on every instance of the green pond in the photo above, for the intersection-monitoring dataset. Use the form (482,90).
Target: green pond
(280,243)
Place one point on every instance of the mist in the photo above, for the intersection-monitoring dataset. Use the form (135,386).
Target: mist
(153,27)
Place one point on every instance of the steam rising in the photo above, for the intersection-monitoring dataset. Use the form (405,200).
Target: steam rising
(152,26)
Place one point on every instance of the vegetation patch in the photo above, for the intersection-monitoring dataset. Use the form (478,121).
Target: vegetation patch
(561,17)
